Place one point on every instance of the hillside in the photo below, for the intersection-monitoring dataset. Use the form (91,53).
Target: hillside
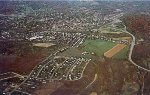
(139,25)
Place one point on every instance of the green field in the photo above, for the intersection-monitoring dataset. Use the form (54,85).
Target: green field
(75,52)
(99,47)
(123,54)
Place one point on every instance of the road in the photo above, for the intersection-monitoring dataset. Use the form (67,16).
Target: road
(43,64)
(94,80)
(57,68)
(10,75)
(131,51)
(30,75)
(71,69)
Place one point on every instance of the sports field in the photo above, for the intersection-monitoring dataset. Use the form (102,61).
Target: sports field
(99,47)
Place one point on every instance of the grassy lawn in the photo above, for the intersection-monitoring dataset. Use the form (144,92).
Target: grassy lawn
(74,52)
(123,54)
(99,47)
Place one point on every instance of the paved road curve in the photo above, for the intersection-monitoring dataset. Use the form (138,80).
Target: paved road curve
(131,51)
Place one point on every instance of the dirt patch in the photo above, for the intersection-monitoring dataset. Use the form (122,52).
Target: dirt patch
(45,45)
(93,93)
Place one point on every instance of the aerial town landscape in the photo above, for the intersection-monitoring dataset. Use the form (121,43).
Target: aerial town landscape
(74,47)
